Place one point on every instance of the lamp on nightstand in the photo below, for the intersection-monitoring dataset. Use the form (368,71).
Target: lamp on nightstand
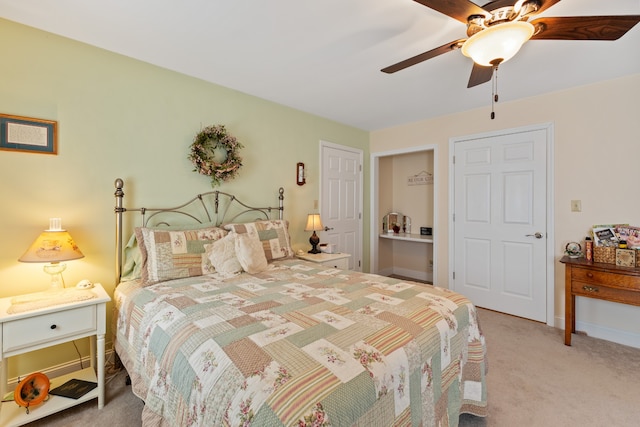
(53,246)
(314,224)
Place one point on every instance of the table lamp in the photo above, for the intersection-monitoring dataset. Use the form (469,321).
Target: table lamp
(314,224)
(53,246)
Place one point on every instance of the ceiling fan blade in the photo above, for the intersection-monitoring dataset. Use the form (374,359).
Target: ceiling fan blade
(457,9)
(479,74)
(423,57)
(497,4)
(583,27)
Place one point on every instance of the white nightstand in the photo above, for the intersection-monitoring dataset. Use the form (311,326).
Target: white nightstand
(338,260)
(45,326)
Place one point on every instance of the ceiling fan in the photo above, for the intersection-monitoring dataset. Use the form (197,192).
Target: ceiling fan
(497,30)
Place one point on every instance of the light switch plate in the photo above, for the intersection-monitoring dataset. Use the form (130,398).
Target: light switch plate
(576,206)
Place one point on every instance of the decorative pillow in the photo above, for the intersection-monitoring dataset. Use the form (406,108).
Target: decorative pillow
(173,254)
(250,254)
(222,254)
(272,234)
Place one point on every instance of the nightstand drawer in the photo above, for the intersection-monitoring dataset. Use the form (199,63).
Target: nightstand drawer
(34,331)
(342,263)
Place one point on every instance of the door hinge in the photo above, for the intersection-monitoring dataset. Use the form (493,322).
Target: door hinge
(360,167)
(360,215)
(454,275)
(454,160)
(359,264)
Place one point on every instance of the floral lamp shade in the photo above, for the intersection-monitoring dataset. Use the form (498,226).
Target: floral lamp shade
(53,246)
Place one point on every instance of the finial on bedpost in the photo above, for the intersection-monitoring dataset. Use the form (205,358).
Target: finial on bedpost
(281,203)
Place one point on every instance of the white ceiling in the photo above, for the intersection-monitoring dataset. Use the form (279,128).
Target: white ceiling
(325,56)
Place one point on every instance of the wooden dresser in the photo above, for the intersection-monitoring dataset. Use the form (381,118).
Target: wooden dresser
(597,280)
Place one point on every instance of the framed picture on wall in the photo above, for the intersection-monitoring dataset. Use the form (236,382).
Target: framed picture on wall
(26,134)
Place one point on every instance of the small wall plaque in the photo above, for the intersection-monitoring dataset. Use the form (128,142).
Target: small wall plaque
(426,231)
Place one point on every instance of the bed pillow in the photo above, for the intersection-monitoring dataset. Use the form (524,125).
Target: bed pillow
(172,254)
(273,236)
(132,256)
(222,255)
(131,261)
(250,253)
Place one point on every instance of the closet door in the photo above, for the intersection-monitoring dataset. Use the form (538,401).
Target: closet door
(500,222)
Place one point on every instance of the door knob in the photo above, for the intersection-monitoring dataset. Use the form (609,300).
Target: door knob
(328,228)
(537,235)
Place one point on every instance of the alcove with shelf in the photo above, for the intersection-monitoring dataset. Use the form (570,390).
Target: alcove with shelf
(403,183)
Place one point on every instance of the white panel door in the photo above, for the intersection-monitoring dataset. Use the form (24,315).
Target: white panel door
(500,222)
(341,200)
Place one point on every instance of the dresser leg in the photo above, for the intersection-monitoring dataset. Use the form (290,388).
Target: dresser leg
(569,307)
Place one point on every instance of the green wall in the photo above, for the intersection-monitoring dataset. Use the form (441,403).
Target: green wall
(119,117)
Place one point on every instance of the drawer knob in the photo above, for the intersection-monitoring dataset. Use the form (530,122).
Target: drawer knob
(590,288)
(590,275)
(53,326)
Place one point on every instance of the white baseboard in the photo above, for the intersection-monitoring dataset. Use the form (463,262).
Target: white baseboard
(605,333)
(63,369)
(413,274)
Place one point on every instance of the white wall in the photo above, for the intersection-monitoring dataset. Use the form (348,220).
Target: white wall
(596,143)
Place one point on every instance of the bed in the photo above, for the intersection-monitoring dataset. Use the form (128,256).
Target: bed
(218,324)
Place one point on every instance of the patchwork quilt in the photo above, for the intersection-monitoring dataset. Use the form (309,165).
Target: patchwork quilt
(300,344)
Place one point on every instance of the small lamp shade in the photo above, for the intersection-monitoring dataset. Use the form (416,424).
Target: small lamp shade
(314,223)
(53,246)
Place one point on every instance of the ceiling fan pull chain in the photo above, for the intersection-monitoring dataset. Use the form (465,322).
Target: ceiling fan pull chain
(494,94)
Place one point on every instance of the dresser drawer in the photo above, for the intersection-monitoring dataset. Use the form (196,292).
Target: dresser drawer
(600,291)
(37,330)
(605,278)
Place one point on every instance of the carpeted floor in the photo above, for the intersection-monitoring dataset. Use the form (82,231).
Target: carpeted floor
(534,380)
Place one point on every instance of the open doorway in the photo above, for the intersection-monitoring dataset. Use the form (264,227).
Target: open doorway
(403,183)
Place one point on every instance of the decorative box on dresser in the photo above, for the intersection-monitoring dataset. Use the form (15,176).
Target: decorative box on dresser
(47,322)
(339,260)
(607,282)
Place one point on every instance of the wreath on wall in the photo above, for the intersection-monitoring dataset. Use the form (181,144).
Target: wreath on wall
(214,153)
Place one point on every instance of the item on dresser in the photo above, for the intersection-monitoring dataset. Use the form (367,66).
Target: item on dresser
(605,236)
(626,257)
(573,250)
(588,248)
(604,254)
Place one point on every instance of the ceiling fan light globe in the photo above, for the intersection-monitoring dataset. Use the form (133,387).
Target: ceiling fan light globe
(497,44)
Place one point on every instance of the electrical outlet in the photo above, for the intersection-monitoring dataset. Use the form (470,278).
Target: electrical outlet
(576,206)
